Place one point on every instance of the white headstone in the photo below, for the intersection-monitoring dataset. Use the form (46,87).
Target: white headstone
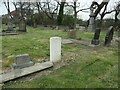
(55,49)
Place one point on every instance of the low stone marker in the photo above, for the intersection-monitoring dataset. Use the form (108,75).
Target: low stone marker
(72,34)
(109,36)
(95,40)
(22,61)
(10,27)
(55,49)
(22,25)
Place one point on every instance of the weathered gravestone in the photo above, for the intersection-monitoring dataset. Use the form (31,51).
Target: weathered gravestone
(95,40)
(9,31)
(82,28)
(55,49)
(77,26)
(10,26)
(22,61)
(109,36)
(72,33)
(22,25)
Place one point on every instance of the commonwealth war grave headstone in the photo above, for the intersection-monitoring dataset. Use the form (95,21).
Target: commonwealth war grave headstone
(55,49)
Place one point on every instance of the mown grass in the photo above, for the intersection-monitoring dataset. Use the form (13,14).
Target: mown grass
(92,67)
(35,43)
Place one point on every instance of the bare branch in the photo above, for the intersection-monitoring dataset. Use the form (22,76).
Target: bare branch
(83,9)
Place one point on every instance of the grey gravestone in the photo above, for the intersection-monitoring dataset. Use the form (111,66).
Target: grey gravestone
(22,61)
(82,28)
(10,26)
(91,26)
(77,26)
(95,40)
(22,25)
(72,33)
(109,36)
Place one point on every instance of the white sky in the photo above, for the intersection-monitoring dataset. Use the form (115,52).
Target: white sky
(83,4)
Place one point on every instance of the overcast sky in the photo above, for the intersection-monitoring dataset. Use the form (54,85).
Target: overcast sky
(83,4)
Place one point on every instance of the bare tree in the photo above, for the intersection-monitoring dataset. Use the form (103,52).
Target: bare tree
(61,11)
(47,8)
(22,9)
(7,5)
(104,12)
(76,5)
(117,11)
(98,7)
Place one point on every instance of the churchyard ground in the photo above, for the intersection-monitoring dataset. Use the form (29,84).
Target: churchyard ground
(86,67)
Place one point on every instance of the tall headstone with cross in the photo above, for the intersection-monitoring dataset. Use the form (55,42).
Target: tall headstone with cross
(91,26)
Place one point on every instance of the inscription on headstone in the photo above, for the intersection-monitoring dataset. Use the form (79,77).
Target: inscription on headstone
(109,36)
(22,61)
(95,40)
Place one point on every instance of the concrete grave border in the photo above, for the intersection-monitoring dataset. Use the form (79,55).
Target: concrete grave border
(25,71)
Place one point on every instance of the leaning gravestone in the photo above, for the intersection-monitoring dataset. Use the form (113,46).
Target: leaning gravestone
(55,49)
(109,36)
(95,40)
(22,61)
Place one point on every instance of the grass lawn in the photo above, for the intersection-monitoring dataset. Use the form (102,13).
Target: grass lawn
(90,68)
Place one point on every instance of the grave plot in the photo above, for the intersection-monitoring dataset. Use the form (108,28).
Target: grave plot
(23,65)
(24,71)
(12,31)
(83,54)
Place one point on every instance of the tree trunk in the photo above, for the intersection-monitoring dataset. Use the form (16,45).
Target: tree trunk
(60,15)
(75,15)
(99,8)
(116,19)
